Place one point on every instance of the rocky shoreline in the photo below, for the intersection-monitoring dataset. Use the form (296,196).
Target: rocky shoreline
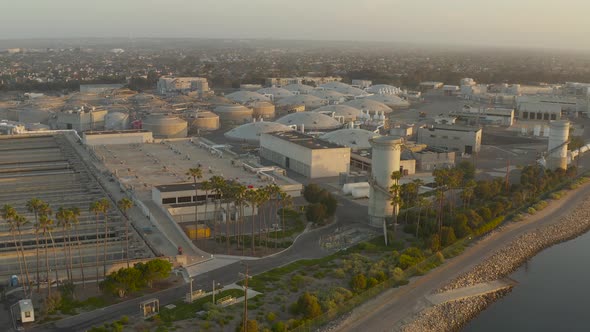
(453,315)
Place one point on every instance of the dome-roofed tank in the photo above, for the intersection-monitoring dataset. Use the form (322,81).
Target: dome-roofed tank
(310,102)
(233,115)
(384,89)
(392,101)
(299,88)
(348,113)
(262,109)
(352,138)
(343,88)
(329,95)
(311,121)
(250,132)
(368,104)
(243,97)
(218,100)
(203,120)
(164,126)
(277,93)
(116,121)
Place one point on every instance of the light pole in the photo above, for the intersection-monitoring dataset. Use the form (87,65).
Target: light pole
(191,291)
(245,319)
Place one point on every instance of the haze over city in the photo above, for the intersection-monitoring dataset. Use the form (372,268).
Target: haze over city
(522,23)
(275,166)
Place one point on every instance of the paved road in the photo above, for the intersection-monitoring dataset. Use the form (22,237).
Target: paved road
(389,310)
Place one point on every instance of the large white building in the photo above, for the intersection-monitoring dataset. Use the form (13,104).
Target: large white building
(462,139)
(171,85)
(303,154)
(82,119)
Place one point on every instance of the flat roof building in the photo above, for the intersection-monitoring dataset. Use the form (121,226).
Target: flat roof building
(306,155)
(170,84)
(134,136)
(462,139)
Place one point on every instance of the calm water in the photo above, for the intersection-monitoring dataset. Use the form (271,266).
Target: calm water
(553,293)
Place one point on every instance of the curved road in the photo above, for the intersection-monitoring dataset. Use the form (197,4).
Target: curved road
(391,309)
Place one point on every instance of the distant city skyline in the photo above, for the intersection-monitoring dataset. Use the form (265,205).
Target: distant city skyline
(521,23)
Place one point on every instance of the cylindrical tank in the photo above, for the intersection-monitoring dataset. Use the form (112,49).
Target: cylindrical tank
(163,126)
(262,109)
(233,115)
(205,120)
(557,147)
(386,151)
(116,121)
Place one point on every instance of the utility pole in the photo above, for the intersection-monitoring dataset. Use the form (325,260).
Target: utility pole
(213,291)
(191,292)
(246,301)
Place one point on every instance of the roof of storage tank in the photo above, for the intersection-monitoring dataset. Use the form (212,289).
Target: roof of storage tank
(232,108)
(301,88)
(343,88)
(352,138)
(260,104)
(328,94)
(218,100)
(390,100)
(246,96)
(369,104)
(278,93)
(307,100)
(340,110)
(251,131)
(383,89)
(311,121)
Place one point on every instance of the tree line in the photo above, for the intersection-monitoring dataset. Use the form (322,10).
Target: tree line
(268,201)
(46,220)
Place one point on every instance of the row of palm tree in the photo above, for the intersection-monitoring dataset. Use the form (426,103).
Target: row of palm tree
(67,219)
(265,200)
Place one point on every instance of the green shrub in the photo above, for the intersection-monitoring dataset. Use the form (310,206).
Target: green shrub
(491,225)
(358,282)
(531,210)
(271,316)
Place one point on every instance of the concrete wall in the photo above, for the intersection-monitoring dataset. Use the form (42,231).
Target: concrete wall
(107,138)
(429,161)
(81,121)
(450,139)
(310,163)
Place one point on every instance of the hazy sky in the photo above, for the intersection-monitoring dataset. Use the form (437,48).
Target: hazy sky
(552,24)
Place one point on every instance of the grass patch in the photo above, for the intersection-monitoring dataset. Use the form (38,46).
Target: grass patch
(189,310)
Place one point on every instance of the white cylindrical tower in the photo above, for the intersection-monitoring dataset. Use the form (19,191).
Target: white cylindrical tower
(385,159)
(557,146)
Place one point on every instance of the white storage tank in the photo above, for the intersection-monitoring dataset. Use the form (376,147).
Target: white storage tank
(557,145)
(164,126)
(385,159)
(116,121)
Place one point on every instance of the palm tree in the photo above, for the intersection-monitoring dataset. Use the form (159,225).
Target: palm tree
(286,200)
(63,219)
(217,183)
(76,221)
(206,186)
(105,207)
(9,214)
(228,194)
(96,208)
(196,173)
(251,198)
(239,196)
(33,206)
(124,205)
(20,221)
(45,224)
(263,198)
